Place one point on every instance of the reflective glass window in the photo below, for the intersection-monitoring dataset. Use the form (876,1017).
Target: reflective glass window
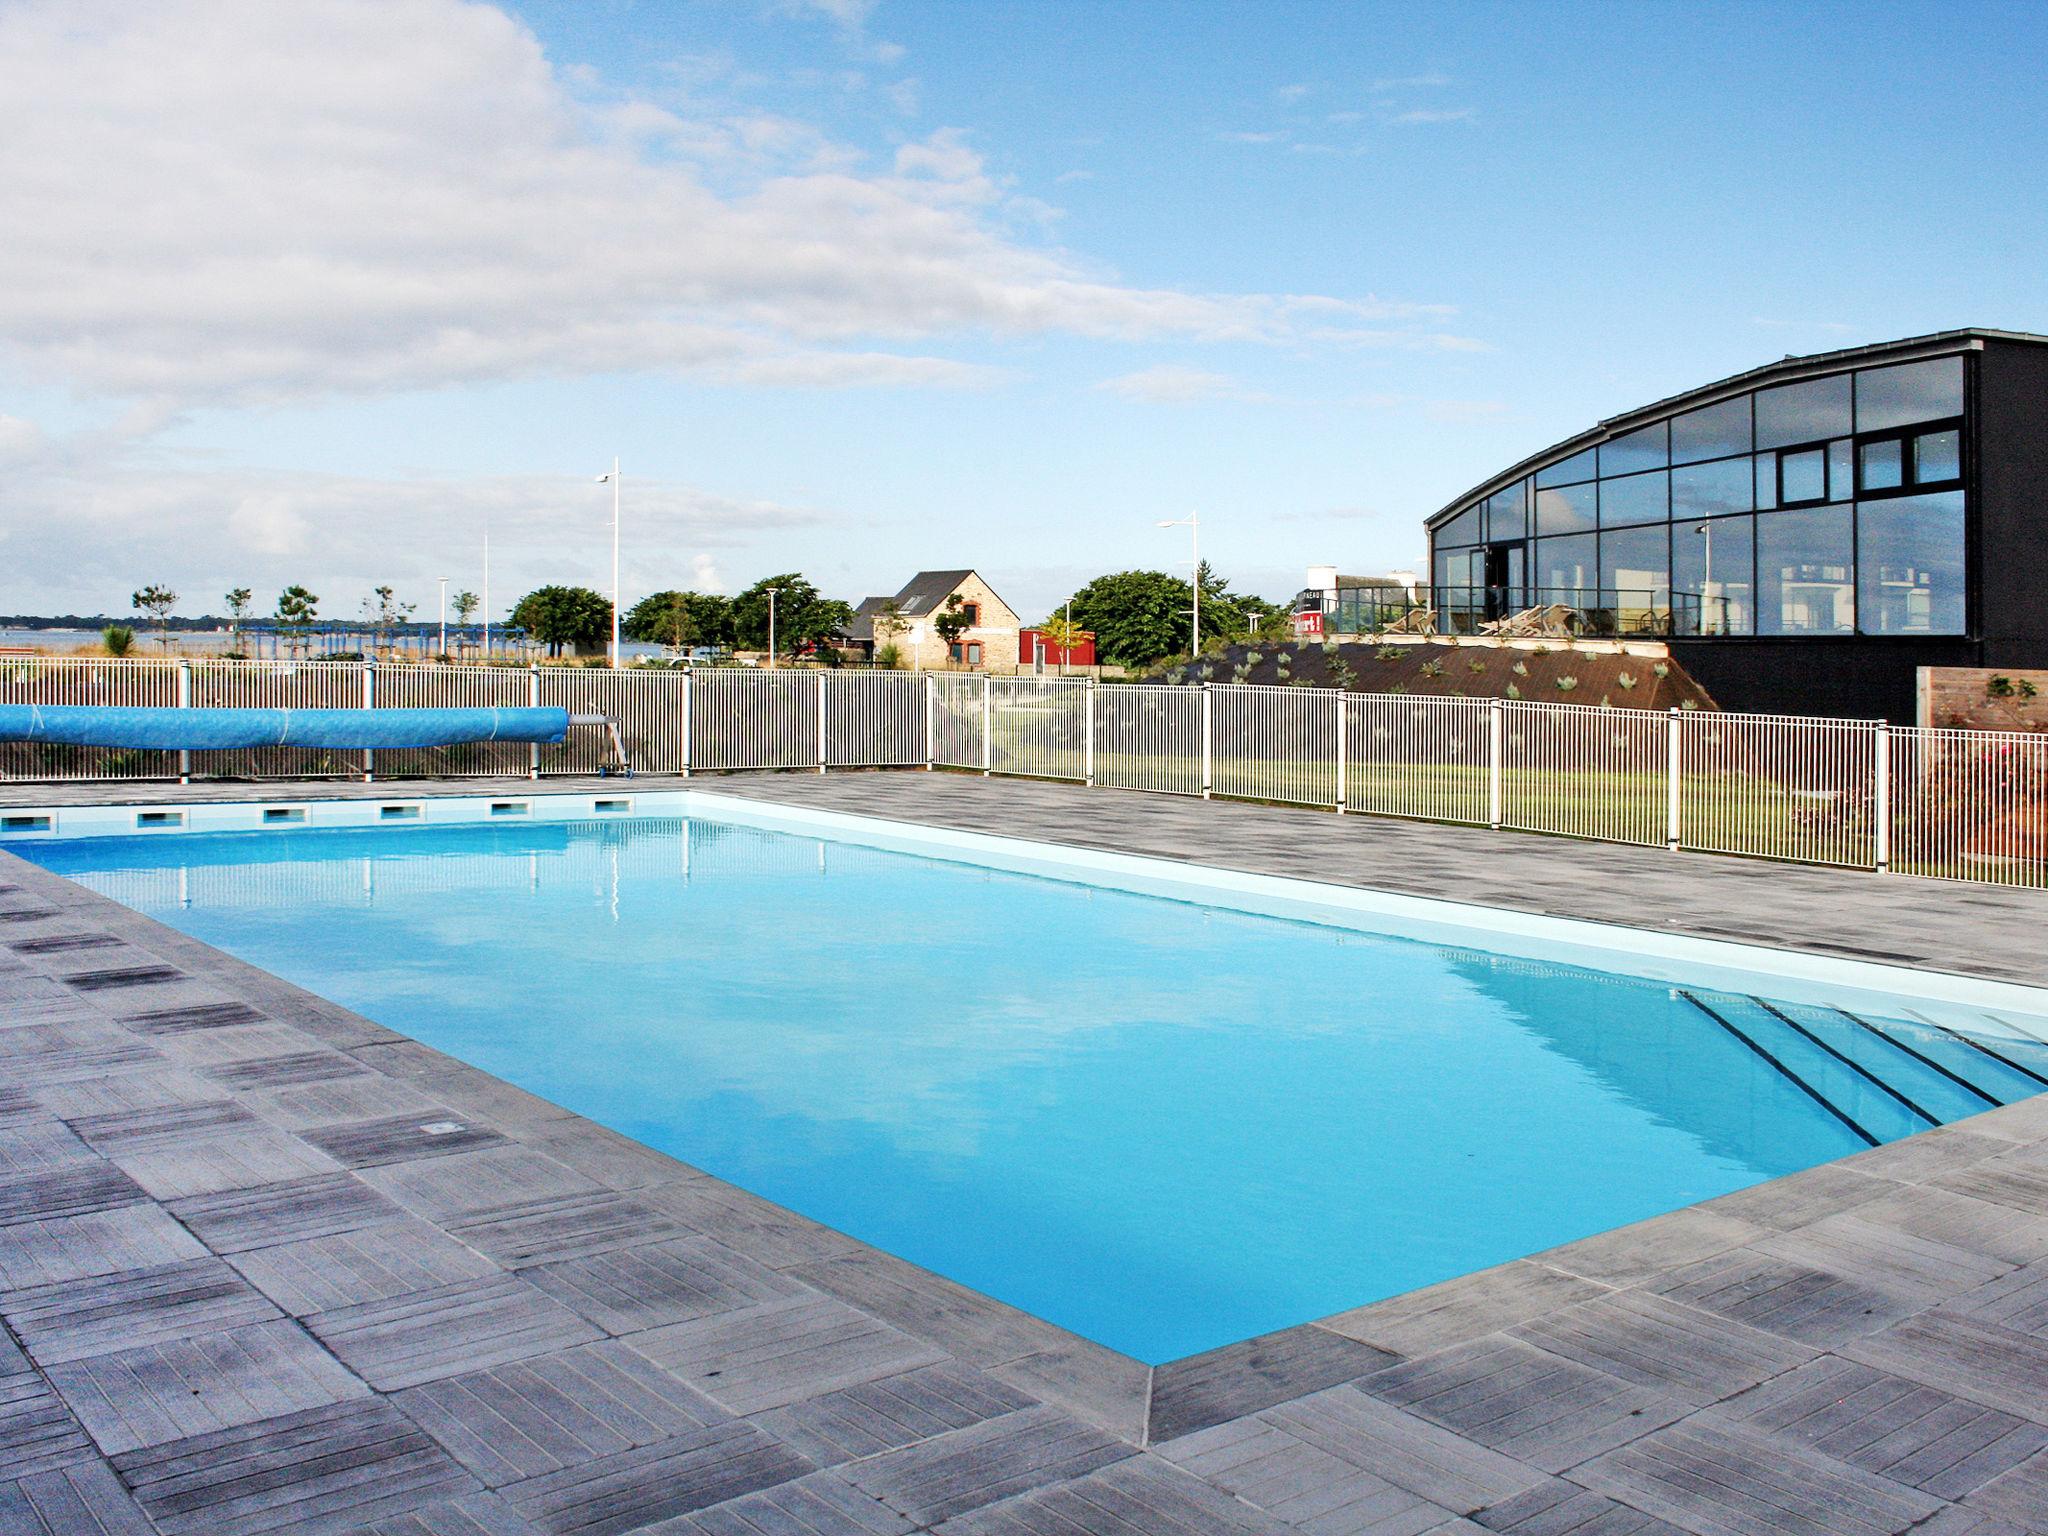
(1803,476)
(1937,456)
(1803,413)
(1805,572)
(1841,470)
(1635,499)
(1462,529)
(1883,465)
(1910,565)
(1580,466)
(1713,577)
(1635,579)
(1567,570)
(1565,509)
(1709,490)
(1648,448)
(1898,397)
(1507,513)
(1454,573)
(1766,481)
(1711,432)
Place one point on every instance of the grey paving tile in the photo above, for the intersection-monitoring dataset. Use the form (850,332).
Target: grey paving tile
(1404,1449)
(2019,1496)
(1798,1198)
(239,1159)
(566,1226)
(211,1049)
(1630,1254)
(122,977)
(189,1017)
(1938,1214)
(372,1096)
(78,1318)
(476,1185)
(1930,1154)
(1782,1296)
(395,1258)
(40,1054)
(2017,1300)
(1238,1379)
(403,1138)
(82,1500)
(764,1232)
(35,1145)
(1998,1367)
(150,1085)
(283,1071)
(169,1390)
(2017,1182)
(238,1220)
(817,1504)
(1458,1311)
(1677,1351)
(67,1189)
(1088,1381)
(615,1161)
(476,1514)
(1719,1482)
(1302,1484)
(1910,1268)
(1139,1497)
(1531,1405)
(1904,1430)
(318,1472)
(896,1411)
(428,1335)
(998,1458)
(782,1352)
(556,1411)
(960,1321)
(46,1251)
(38,1432)
(641,1488)
(628,1290)
(1559,1508)
(169,1125)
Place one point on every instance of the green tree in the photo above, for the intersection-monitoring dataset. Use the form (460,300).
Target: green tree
(951,622)
(383,612)
(296,610)
(157,601)
(465,605)
(556,616)
(240,600)
(679,619)
(119,639)
(803,616)
(1136,616)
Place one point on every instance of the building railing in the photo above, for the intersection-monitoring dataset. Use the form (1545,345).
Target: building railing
(1969,805)
(1621,613)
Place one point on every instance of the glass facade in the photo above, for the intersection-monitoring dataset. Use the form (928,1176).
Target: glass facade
(1834,505)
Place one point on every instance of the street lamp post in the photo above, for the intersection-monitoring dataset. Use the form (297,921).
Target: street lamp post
(614,478)
(1193,523)
(771,627)
(444,616)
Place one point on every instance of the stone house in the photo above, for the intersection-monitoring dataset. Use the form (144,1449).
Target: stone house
(988,644)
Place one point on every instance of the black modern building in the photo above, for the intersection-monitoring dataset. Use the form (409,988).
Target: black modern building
(1804,535)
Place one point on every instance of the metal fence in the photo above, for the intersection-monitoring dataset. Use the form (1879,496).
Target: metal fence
(1965,805)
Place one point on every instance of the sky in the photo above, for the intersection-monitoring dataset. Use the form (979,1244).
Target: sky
(327,291)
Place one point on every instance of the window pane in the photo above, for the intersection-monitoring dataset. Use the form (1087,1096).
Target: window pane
(1803,570)
(1712,432)
(1645,449)
(1564,509)
(1882,463)
(1910,565)
(1802,413)
(1635,499)
(1712,569)
(1803,476)
(1898,397)
(1580,466)
(1635,580)
(1766,481)
(1507,514)
(1462,529)
(1707,490)
(1841,470)
(1566,571)
(1453,575)
(1937,456)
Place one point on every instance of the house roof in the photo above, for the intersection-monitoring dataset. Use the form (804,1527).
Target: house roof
(1785,369)
(923,594)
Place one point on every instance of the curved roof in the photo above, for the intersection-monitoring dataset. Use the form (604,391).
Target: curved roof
(1786,369)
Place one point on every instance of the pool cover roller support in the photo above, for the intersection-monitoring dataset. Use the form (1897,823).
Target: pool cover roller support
(226,730)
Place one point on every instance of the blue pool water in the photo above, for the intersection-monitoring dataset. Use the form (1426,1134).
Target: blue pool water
(1162,1125)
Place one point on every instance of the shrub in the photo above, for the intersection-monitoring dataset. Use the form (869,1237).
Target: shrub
(890,656)
(118,638)
(1567,684)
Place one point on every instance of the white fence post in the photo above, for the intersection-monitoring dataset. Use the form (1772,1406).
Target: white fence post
(1881,798)
(821,722)
(1671,781)
(1207,737)
(988,716)
(369,702)
(931,722)
(1496,767)
(1088,734)
(184,702)
(686,722)
(533,698)
(1343,774)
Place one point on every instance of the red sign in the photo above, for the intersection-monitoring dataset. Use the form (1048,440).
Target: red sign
(1308,625)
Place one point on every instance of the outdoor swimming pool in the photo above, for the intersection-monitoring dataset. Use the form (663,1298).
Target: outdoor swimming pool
(1161,1124)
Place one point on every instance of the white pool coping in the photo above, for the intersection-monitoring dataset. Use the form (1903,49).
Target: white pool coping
(1977,1004)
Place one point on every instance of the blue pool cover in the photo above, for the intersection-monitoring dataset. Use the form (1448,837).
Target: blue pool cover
(218,730)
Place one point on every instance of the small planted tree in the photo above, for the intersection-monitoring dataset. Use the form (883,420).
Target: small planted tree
(296,610)
(118,638)
(157,601)
(951,622)
(240,601)
(889,625)
(384,613)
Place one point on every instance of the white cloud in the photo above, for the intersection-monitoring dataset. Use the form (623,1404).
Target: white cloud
(235,200)
(1172,384)
(1246,137)
(1410,82)
(1432,115)
(1293,92)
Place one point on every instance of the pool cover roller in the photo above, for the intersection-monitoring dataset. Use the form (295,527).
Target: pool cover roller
(225,730)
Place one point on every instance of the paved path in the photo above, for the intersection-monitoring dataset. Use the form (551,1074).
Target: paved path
(265,1265)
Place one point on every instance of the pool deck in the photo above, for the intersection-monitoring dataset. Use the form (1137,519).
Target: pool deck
(267,1265)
